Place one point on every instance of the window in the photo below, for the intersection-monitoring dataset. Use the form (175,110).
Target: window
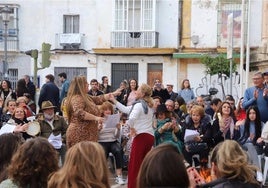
(12,28)
(71,24)
(13,77)
(134,15)
(134,24)
(227,7)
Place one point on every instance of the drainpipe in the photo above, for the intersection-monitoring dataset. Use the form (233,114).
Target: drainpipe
(180,22)
(242,49)
(248,47)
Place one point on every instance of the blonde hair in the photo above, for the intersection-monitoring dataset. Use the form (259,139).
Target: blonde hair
(77,87)
(232,162)
(63,108)
(147,91)
(85,166)
(21,99)
(198,109)
(7,103)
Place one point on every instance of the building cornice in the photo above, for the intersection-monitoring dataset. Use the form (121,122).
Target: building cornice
(134,51)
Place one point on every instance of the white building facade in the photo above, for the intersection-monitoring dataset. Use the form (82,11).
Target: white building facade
(121,39)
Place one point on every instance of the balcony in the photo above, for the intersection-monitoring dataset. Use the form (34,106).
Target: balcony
(69,41)
(134,39)
(12,40)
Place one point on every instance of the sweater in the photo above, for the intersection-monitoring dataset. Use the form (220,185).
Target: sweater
(138,119)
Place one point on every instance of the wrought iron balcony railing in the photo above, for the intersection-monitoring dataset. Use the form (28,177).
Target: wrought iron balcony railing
(134,39)
(12,40)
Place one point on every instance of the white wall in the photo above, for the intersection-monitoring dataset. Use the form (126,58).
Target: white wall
(195,74)
(255,23)
(40,20)
(204,22)
(168,26)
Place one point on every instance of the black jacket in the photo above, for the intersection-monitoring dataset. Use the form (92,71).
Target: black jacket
(49,92)
(31,89)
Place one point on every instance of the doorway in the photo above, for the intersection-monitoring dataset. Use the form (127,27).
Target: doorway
(155,71)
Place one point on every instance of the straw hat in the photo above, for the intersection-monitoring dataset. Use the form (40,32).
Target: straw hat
(47,105)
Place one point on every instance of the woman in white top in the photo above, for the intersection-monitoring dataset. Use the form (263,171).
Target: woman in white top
(140,122)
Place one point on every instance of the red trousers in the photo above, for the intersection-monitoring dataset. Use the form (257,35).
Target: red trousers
(141,145)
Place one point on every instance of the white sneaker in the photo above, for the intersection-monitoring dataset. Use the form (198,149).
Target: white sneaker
(259,176)
(119,180)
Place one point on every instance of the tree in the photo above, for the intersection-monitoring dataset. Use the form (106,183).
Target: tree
(218,65)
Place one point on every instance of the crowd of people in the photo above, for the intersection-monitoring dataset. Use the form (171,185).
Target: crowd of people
(161,136)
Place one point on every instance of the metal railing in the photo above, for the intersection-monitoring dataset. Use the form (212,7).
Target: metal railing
(134,39)
(12,44)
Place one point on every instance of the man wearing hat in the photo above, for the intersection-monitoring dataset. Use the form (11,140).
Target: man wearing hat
(53,127)
(173,95)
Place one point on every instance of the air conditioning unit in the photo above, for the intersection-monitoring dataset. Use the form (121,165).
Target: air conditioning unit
(70,40)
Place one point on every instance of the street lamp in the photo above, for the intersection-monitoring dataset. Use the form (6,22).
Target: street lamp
(5,17)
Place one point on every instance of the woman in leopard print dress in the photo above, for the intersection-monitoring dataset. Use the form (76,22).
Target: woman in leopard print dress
(82,112)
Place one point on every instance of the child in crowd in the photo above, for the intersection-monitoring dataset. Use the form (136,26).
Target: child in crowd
(126,139)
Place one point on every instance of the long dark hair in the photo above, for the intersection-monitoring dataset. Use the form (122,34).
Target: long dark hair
(231,110)
(129,88)
(257,124)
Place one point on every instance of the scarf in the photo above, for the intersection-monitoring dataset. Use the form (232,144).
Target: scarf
(143,103)
(229,125)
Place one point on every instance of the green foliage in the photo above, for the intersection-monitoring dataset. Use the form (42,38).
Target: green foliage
(217,65)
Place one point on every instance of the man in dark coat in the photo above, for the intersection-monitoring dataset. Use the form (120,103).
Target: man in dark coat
(30,86)
(49,92)
(94,91)
(159,90)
